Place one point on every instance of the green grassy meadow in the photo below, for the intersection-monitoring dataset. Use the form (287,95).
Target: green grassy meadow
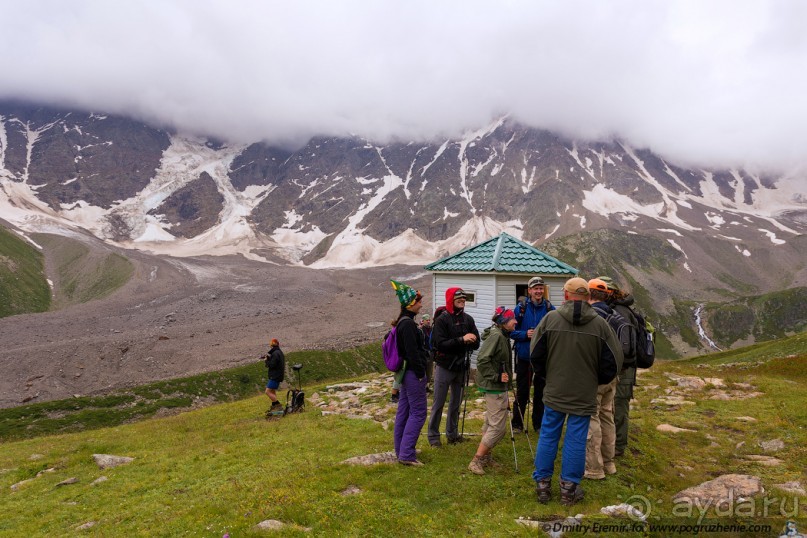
(224,468)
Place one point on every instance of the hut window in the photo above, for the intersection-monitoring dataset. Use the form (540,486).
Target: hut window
(470,297)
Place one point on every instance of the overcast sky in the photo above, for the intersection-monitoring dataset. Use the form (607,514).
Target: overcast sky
(705,82)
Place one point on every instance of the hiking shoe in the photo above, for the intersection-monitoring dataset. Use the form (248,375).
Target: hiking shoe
(476,466)
(411,463)
(456,440)
(517,430)
(570,493)
(619,452)
(488,461)
(276,406)
(395,397)
(610,468)
(544,490)
(594,476)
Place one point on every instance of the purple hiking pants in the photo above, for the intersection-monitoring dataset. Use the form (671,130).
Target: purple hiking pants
(410,417)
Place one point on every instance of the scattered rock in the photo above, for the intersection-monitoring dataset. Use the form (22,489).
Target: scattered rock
(108,461)
(18,485)
(746,419)
(67,482)
(85,526)
(270,525)
(723,489)
(569,523)
(162,337)
(733,395)
(34,457)
(714,381)
(687,381)
(44,471)
(767,461)
(624,510)
(373,459)
(793,487)
(99,480)
(351,490)
(671,401)
(774,445)
(668,428)
(345,387)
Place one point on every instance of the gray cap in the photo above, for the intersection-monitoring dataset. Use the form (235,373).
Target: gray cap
(535,281)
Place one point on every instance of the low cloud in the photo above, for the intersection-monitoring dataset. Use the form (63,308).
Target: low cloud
(711,83)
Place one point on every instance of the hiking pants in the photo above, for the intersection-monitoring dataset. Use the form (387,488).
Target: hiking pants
(410,417)
(624,394)
(573,461)
(525,378)
(601,433)
(445,380)
(493,429)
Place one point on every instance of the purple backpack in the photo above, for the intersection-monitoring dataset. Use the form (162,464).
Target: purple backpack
(389,350)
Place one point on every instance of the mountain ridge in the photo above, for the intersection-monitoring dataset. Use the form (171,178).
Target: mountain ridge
(350,202)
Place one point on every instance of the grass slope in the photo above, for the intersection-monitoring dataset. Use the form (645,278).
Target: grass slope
(81,275)
(88,412)
(223,469)
(23,286)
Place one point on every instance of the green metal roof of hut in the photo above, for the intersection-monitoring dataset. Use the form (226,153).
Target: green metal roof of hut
(503,254)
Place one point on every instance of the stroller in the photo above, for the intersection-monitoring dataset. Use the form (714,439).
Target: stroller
(295,398)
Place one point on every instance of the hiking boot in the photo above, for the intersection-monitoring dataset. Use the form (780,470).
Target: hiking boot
(476,466)
(456,440)
(411,463)
(276,406)
(488,461)
(544,490)
(570,493)
(594,476)
(394,397)
(619,452)
(517,430)
(610,468)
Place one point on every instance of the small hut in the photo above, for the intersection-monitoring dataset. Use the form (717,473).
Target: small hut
(495,272)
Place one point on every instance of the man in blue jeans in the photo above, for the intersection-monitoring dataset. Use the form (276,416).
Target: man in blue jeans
(577,351)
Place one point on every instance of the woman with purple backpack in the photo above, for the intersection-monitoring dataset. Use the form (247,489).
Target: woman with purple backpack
(412,406)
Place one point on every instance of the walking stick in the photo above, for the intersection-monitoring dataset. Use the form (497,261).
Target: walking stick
(529,443)
(465,391)
(512,436)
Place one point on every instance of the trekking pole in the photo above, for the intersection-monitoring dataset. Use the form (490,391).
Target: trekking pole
(465,391)
(529,443)
(512,436)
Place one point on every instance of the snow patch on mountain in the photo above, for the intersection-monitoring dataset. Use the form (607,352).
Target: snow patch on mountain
(772,237)
(408,248)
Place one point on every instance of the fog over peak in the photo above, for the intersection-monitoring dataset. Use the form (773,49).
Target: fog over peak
(706,83)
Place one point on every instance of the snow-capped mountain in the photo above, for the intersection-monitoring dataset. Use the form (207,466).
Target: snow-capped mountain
(350,202)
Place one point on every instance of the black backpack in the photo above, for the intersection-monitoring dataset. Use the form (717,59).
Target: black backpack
(645,348)
(625,333)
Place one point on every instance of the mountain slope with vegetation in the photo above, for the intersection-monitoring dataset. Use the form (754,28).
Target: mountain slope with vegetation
(23,286)
(81,274)
(758,318)
(224,469)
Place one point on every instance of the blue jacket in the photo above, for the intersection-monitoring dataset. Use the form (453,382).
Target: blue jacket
(531,318)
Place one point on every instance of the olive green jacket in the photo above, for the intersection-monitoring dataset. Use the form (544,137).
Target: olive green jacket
(493,359)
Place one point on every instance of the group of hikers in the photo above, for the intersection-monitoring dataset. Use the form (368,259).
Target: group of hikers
(576,358)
